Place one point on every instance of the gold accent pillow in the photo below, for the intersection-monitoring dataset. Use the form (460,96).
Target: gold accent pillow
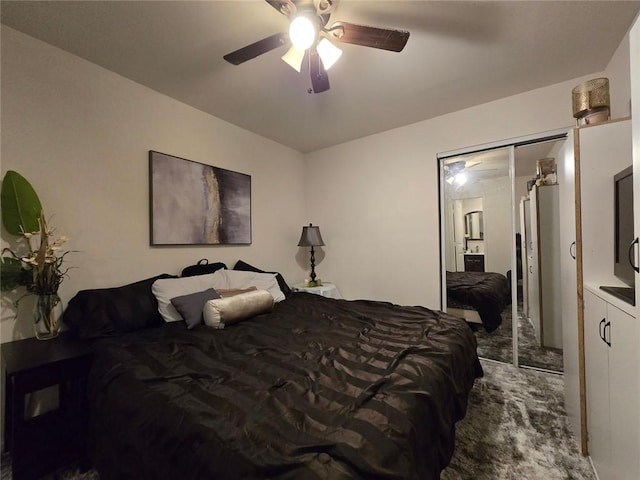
(232,309)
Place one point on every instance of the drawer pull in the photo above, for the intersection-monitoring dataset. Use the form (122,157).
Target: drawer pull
(607,336)
(631,252)
(601,330)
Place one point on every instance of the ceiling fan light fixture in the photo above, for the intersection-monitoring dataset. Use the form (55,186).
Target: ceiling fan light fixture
(302,32)
(329,53)
(461,178)
(294,58)
(312,32)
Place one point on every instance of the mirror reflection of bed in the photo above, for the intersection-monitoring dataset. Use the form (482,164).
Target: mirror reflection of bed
(478,297)
(484,245)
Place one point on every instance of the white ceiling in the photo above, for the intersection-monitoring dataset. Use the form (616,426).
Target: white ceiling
(459,54)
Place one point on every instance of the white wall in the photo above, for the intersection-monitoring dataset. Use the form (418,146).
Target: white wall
(497,224)
(377,197)
(618,73)
(81,135)
(493,197)
(521,191)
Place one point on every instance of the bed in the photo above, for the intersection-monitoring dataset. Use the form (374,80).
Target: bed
(478,296)
(317,388)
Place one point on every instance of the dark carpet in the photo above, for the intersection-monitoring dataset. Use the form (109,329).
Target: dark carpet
(498,345)
(515,428)
(69,473)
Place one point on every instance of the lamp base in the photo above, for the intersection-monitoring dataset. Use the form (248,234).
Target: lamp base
(313,265)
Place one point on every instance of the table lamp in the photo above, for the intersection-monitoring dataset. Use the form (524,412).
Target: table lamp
(311,238)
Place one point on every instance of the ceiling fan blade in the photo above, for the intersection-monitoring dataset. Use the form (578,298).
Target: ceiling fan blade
(256,49)
(382,38)
(319,78)
(285,7)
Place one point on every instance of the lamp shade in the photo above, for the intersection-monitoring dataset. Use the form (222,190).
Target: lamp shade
(589,95)
(329,53)
(294,58)
(310,237)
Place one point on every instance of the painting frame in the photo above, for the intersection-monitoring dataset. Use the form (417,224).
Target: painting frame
(193,203)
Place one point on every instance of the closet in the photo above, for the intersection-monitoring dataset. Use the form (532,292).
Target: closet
(601,332)
(497,177)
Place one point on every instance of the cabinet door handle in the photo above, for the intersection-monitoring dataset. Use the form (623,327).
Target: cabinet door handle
(607,336)
(631,252)
(601,330)
(572,250)
(531,269)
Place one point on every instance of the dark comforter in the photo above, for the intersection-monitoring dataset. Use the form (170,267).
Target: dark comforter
(487,292)
(318,389)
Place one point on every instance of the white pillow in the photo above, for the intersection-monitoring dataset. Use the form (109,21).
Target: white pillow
(238,279)
(165,289)
(225,311)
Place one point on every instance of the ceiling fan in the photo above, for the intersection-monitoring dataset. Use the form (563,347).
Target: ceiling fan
(311,38)
(455,171)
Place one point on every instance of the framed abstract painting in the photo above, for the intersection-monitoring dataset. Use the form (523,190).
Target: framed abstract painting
(193,203)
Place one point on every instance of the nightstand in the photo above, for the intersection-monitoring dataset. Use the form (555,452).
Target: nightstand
(325,290)
(41,444)
(474,262)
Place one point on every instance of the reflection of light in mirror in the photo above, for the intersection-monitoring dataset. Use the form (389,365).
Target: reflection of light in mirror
(461,178)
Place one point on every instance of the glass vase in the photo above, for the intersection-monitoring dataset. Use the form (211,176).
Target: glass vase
(47,315)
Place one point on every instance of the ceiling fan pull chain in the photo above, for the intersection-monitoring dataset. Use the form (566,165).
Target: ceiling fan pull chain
(310,89)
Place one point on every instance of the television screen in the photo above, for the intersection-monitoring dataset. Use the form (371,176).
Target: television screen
(623,202)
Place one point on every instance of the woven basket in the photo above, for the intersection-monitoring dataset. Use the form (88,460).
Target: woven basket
(591,101)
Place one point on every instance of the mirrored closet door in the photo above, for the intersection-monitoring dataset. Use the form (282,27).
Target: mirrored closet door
(477,243)
(499,239)
(538,251)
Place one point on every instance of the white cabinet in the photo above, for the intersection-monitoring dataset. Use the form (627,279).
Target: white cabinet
(569,283)
(634,47)
(612,388)
(524,252)
(605,150)
(543,266)
(533,265)
(597,383)
(587,164)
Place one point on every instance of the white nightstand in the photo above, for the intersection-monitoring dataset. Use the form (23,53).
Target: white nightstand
(326,290)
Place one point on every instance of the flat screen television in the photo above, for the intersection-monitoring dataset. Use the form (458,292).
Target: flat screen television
(623,211)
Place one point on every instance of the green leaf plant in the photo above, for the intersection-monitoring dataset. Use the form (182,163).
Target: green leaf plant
(21,207)
(38,268)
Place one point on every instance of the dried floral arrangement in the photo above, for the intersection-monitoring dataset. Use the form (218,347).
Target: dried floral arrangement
(36,262)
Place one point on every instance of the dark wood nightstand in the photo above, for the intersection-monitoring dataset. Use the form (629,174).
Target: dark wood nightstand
(474,262)
(41,444)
